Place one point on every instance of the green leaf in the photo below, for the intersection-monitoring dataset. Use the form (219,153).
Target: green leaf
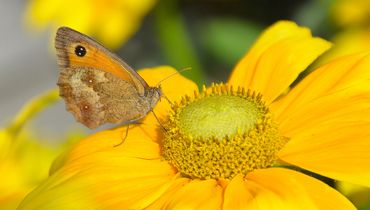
(228,39)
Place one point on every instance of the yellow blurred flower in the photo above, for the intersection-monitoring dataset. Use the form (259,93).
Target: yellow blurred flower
(112,22)
(227,146)
(23,167)
(351,12)
(347,42)
(24,159)
(352,16)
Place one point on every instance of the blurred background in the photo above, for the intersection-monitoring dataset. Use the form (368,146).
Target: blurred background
(207,35)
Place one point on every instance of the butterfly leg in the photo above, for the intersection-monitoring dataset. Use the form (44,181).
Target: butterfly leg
(123,137)
(159,121)
(170,102)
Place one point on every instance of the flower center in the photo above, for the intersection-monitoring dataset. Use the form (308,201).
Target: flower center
(219,133)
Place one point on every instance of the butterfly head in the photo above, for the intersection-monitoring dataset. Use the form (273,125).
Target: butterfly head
(154,94)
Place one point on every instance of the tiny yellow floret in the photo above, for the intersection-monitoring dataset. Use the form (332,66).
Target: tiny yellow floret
(220,132)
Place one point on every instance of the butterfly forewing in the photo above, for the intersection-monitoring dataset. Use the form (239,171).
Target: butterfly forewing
(96,85)
(96,56)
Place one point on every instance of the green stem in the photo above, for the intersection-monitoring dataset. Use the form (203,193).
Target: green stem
(175,40)
(32,108)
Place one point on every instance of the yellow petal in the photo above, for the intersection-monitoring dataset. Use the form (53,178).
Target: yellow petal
(134,193)
(282,52)
(175,186)
(174,86)
(137,145)
(103,179)
(205,194)
(236,195)
(339,74)
(98,188)
(325,119)
(340,152)
(249,194)
(278,188)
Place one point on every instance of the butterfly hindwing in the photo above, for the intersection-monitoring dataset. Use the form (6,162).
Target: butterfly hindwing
(96,97)
(97,86)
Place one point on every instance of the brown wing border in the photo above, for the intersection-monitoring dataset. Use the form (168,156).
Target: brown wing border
(66,34)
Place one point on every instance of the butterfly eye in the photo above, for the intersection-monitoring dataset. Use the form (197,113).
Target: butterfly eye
(80,51)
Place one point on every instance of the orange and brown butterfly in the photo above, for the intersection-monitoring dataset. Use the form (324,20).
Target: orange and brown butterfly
(97,86)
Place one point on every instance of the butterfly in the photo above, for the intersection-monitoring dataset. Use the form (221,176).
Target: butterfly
(97,86)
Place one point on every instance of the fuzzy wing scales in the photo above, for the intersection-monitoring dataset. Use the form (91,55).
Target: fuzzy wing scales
(96,97)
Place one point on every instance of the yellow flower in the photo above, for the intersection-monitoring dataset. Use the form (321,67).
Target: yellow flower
(24,158)
(21,169)
(227,147)
(111,22)
(353,16)
(350,12)
(348,42)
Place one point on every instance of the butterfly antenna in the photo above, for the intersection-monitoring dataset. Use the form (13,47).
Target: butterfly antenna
(123,137)
(171,75)
(168,100)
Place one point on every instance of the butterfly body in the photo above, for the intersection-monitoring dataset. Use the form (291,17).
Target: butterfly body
(97,86)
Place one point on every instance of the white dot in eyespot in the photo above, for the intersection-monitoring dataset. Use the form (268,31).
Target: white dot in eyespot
(90,81)
(86,107)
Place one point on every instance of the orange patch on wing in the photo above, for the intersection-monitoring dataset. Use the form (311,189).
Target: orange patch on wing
(99,60)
